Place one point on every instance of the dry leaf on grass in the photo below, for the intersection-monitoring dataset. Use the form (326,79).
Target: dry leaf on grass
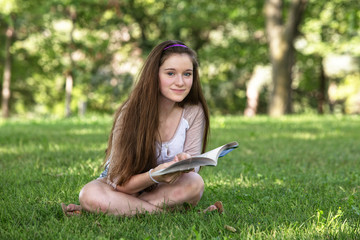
(230,228)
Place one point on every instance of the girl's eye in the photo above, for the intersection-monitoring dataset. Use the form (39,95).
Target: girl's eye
(170,74)
(187,74)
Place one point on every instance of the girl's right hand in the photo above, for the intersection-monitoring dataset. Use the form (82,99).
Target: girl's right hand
(171,177)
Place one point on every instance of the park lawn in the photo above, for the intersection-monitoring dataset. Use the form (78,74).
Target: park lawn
(295,177)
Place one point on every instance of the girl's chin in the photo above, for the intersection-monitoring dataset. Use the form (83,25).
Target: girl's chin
(173,99)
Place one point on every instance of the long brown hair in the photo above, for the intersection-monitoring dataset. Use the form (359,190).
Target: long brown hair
(140,116)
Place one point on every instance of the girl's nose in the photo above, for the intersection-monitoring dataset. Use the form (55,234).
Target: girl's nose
(179,80)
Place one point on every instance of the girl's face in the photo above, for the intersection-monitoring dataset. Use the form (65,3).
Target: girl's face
(176,77)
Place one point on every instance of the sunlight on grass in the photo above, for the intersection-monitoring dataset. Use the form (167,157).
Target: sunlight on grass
(294,177)
(333,224)
(227,183)
(279,182)
(88,167)
(305,136)
(218,122)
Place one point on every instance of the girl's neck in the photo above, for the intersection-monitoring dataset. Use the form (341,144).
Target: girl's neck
(169,118)
(166,107)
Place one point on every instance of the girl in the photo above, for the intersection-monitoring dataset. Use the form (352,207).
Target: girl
(164,120)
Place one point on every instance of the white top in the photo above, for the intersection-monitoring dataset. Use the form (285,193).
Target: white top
(175,145)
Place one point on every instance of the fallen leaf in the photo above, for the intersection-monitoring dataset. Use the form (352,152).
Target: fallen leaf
(230,228)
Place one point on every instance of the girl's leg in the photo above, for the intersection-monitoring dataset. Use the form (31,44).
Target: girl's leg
(187,188)
(97,196)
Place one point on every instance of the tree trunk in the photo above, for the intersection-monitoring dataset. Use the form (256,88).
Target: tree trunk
(322,89)
(68,92)
(282,53)
(70,73)
(259,78)
(7,73)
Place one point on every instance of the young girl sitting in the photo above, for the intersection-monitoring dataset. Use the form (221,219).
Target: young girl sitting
(164,120)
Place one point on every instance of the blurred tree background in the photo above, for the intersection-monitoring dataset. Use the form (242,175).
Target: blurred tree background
(67,57)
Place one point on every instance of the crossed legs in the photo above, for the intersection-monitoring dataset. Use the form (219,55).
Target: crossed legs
(97,196)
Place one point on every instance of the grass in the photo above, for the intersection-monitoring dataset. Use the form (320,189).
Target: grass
(295,177)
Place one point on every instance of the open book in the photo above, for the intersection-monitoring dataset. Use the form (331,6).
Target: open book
(209,158)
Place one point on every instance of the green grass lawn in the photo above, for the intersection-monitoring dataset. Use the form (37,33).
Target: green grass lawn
(295,177)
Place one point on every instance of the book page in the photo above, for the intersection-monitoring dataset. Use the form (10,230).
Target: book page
(185,165)
(213,154)
(205,159)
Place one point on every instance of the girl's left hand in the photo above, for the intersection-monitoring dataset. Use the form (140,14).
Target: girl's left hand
(171,177)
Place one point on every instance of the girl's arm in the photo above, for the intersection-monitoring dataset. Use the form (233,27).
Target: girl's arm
(194,135)
(141,181)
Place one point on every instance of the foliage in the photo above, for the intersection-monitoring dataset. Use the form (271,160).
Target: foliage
(330,28)
(111,40)
(291,178)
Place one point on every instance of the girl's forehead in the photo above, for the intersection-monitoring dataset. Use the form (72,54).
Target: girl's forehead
(178,59)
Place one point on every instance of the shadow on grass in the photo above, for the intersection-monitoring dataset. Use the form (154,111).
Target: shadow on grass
(287,178)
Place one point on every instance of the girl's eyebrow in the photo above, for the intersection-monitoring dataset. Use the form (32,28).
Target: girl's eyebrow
(175,69)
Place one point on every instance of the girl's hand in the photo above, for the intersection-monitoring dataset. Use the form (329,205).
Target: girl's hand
(171,177)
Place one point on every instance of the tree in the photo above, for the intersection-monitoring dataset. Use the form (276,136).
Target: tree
(7,70)
(69,75)
(76,40)
(281,38)
(8,9)
(330,54)
(20,18)
(102,45)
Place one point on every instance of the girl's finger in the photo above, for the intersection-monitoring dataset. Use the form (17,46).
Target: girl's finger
(175,177)
(183,156)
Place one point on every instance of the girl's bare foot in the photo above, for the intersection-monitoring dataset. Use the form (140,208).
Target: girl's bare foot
(216,206)
(71,209)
